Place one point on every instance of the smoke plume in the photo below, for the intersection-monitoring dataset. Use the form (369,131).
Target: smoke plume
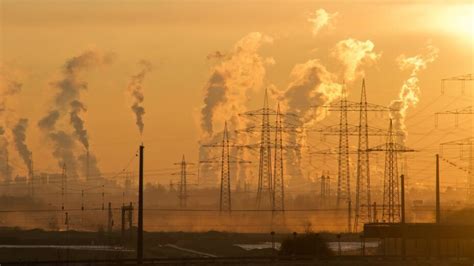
(19,136)
(241,71)
(64,146)
(67,101)
(352,54)
(311,85)
(9,87)
(319,19)
(135,89)
(410,91)
(78,123)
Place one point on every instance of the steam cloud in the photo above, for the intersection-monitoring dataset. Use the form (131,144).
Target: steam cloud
(410,90)
(135,88)
(311,84)
(242,70)
(9,87)
(67,101)
(353,53)
(239,71)
(19,134)
(319,19)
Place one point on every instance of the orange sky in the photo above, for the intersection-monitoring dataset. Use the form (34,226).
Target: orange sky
(37,37)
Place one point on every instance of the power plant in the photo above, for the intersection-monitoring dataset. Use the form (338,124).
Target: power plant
(355,151)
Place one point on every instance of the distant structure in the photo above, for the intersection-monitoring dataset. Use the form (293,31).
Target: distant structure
(278,181)
(462,143)
(264,189)
(325,190)
(391,188)
(225,203)
(225,195)
(183,191)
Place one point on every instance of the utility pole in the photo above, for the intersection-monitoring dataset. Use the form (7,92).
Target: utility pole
(140,209)
(438,207)
(110,221)
(63,186)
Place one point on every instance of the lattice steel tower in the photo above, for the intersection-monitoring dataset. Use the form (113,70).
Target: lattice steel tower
(362,204)
(391,188)
(343,177)
(225,196)
(278,181)
(183,192)
(264,190)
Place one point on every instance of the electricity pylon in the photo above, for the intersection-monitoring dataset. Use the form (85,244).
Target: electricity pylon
(266,182)
(363,214)
(391,189)
(225,203)
(363,131)
(470,164)
(225,198)
(278,181)
(183,184)
(462,78)
(468,110)
(264,189)
(343,176)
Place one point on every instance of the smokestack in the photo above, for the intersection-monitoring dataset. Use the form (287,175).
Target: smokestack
(402,181)
(438,207)
(140,210)
(87,165)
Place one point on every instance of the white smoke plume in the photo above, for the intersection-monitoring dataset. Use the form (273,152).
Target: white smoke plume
(67,100)
(319,19)
(238,72)
(9,88)
(311,85)
(136,92)
(409,94)
(19,136)
(353,53)
(241,71)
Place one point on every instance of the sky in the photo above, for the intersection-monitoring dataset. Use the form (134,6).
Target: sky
(179,39)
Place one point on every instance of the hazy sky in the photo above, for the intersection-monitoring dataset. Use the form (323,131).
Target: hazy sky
(38,37)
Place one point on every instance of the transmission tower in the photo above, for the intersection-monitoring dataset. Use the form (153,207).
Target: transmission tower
(278,181)
(183,184)
(462,78)
(363,214)
(343,173)
(225,203)
(391,189)
(470,164)
(264,189)
(363,131)
(456,112)
(225,198)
